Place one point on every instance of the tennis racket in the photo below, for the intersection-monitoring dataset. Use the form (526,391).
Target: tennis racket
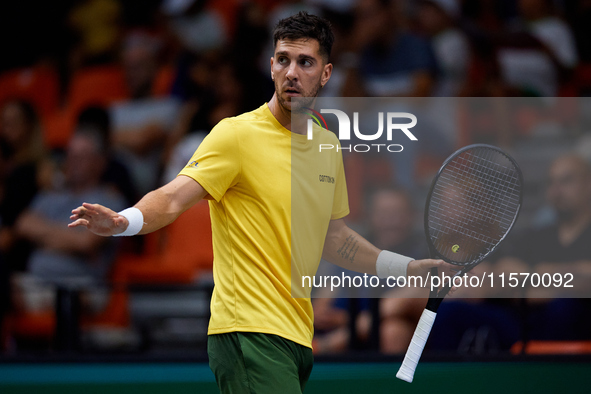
(472,205)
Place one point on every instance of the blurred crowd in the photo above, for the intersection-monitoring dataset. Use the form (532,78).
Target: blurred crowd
(104,100)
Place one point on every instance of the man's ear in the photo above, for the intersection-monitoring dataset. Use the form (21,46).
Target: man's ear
(326,73)
(272,75)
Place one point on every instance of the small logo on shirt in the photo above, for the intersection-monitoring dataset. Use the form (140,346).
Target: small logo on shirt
(193,164)
(326,178)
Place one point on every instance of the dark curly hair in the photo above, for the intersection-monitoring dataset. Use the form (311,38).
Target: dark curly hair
(304,25)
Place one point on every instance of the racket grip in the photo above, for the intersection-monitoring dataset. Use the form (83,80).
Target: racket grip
(417,344)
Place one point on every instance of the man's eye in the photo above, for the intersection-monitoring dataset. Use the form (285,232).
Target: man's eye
(282,60)
(305,62)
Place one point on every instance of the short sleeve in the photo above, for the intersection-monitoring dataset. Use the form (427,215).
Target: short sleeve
(216,163)
(340,204)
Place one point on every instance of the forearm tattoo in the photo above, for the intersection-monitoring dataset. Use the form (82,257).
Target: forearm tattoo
(349,248)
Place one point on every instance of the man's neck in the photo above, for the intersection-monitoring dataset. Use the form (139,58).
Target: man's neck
(283,116)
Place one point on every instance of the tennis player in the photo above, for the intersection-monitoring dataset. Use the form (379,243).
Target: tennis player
(259,335)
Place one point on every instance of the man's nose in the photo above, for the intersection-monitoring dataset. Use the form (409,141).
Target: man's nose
(292,72)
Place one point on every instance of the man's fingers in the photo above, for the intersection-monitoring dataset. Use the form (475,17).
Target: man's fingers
(432,263)
(97,209)
(79,211)
(84,210)
(91,209)
(79,222)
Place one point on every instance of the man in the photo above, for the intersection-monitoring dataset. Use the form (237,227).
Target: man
(259,335)
(61,253)
(562,247)
(387,59)
(61,256)
(140,123)
(438,20)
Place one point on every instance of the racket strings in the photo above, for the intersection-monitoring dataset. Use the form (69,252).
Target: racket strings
(473,204)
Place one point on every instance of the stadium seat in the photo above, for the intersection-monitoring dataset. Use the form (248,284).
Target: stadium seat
(31,326)
(103,85)
(553,347)
(175,255)
(96,86)
(38,85)
(58,128)
(184,252)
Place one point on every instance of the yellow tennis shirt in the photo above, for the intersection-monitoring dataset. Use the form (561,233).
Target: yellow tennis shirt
(245,164)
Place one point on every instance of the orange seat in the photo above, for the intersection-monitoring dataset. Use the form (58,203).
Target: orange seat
(115,314)
(176,254)
(58,128)
(553,347)
(38,85)
(32,325)
(104,85)
(185,252)
(96,86)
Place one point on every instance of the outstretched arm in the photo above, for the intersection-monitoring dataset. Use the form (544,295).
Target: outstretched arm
(159,207)
(347,249)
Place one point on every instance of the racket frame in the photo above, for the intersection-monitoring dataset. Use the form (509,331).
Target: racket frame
(435,296)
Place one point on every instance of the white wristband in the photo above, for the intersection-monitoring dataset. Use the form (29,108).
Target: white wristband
(136,221)
(392,264)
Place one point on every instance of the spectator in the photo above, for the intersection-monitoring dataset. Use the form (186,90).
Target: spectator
(97,24)
(61,253)
(386,59)
(227,97)
(342,22)
(437,19)
(116,174)
(62,256)
(539,51)
(578,14)
(564,246)
(196,24)
(21,156)
(140,124)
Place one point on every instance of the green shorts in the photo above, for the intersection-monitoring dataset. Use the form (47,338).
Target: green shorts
(255,363)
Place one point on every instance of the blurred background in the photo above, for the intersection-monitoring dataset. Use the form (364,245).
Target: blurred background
(104,100)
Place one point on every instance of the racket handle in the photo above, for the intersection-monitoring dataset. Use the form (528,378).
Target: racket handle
(417,344)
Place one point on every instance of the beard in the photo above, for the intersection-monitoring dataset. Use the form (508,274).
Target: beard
(305,100)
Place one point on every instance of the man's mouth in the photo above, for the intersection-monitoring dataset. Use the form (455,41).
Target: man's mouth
(292,92)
